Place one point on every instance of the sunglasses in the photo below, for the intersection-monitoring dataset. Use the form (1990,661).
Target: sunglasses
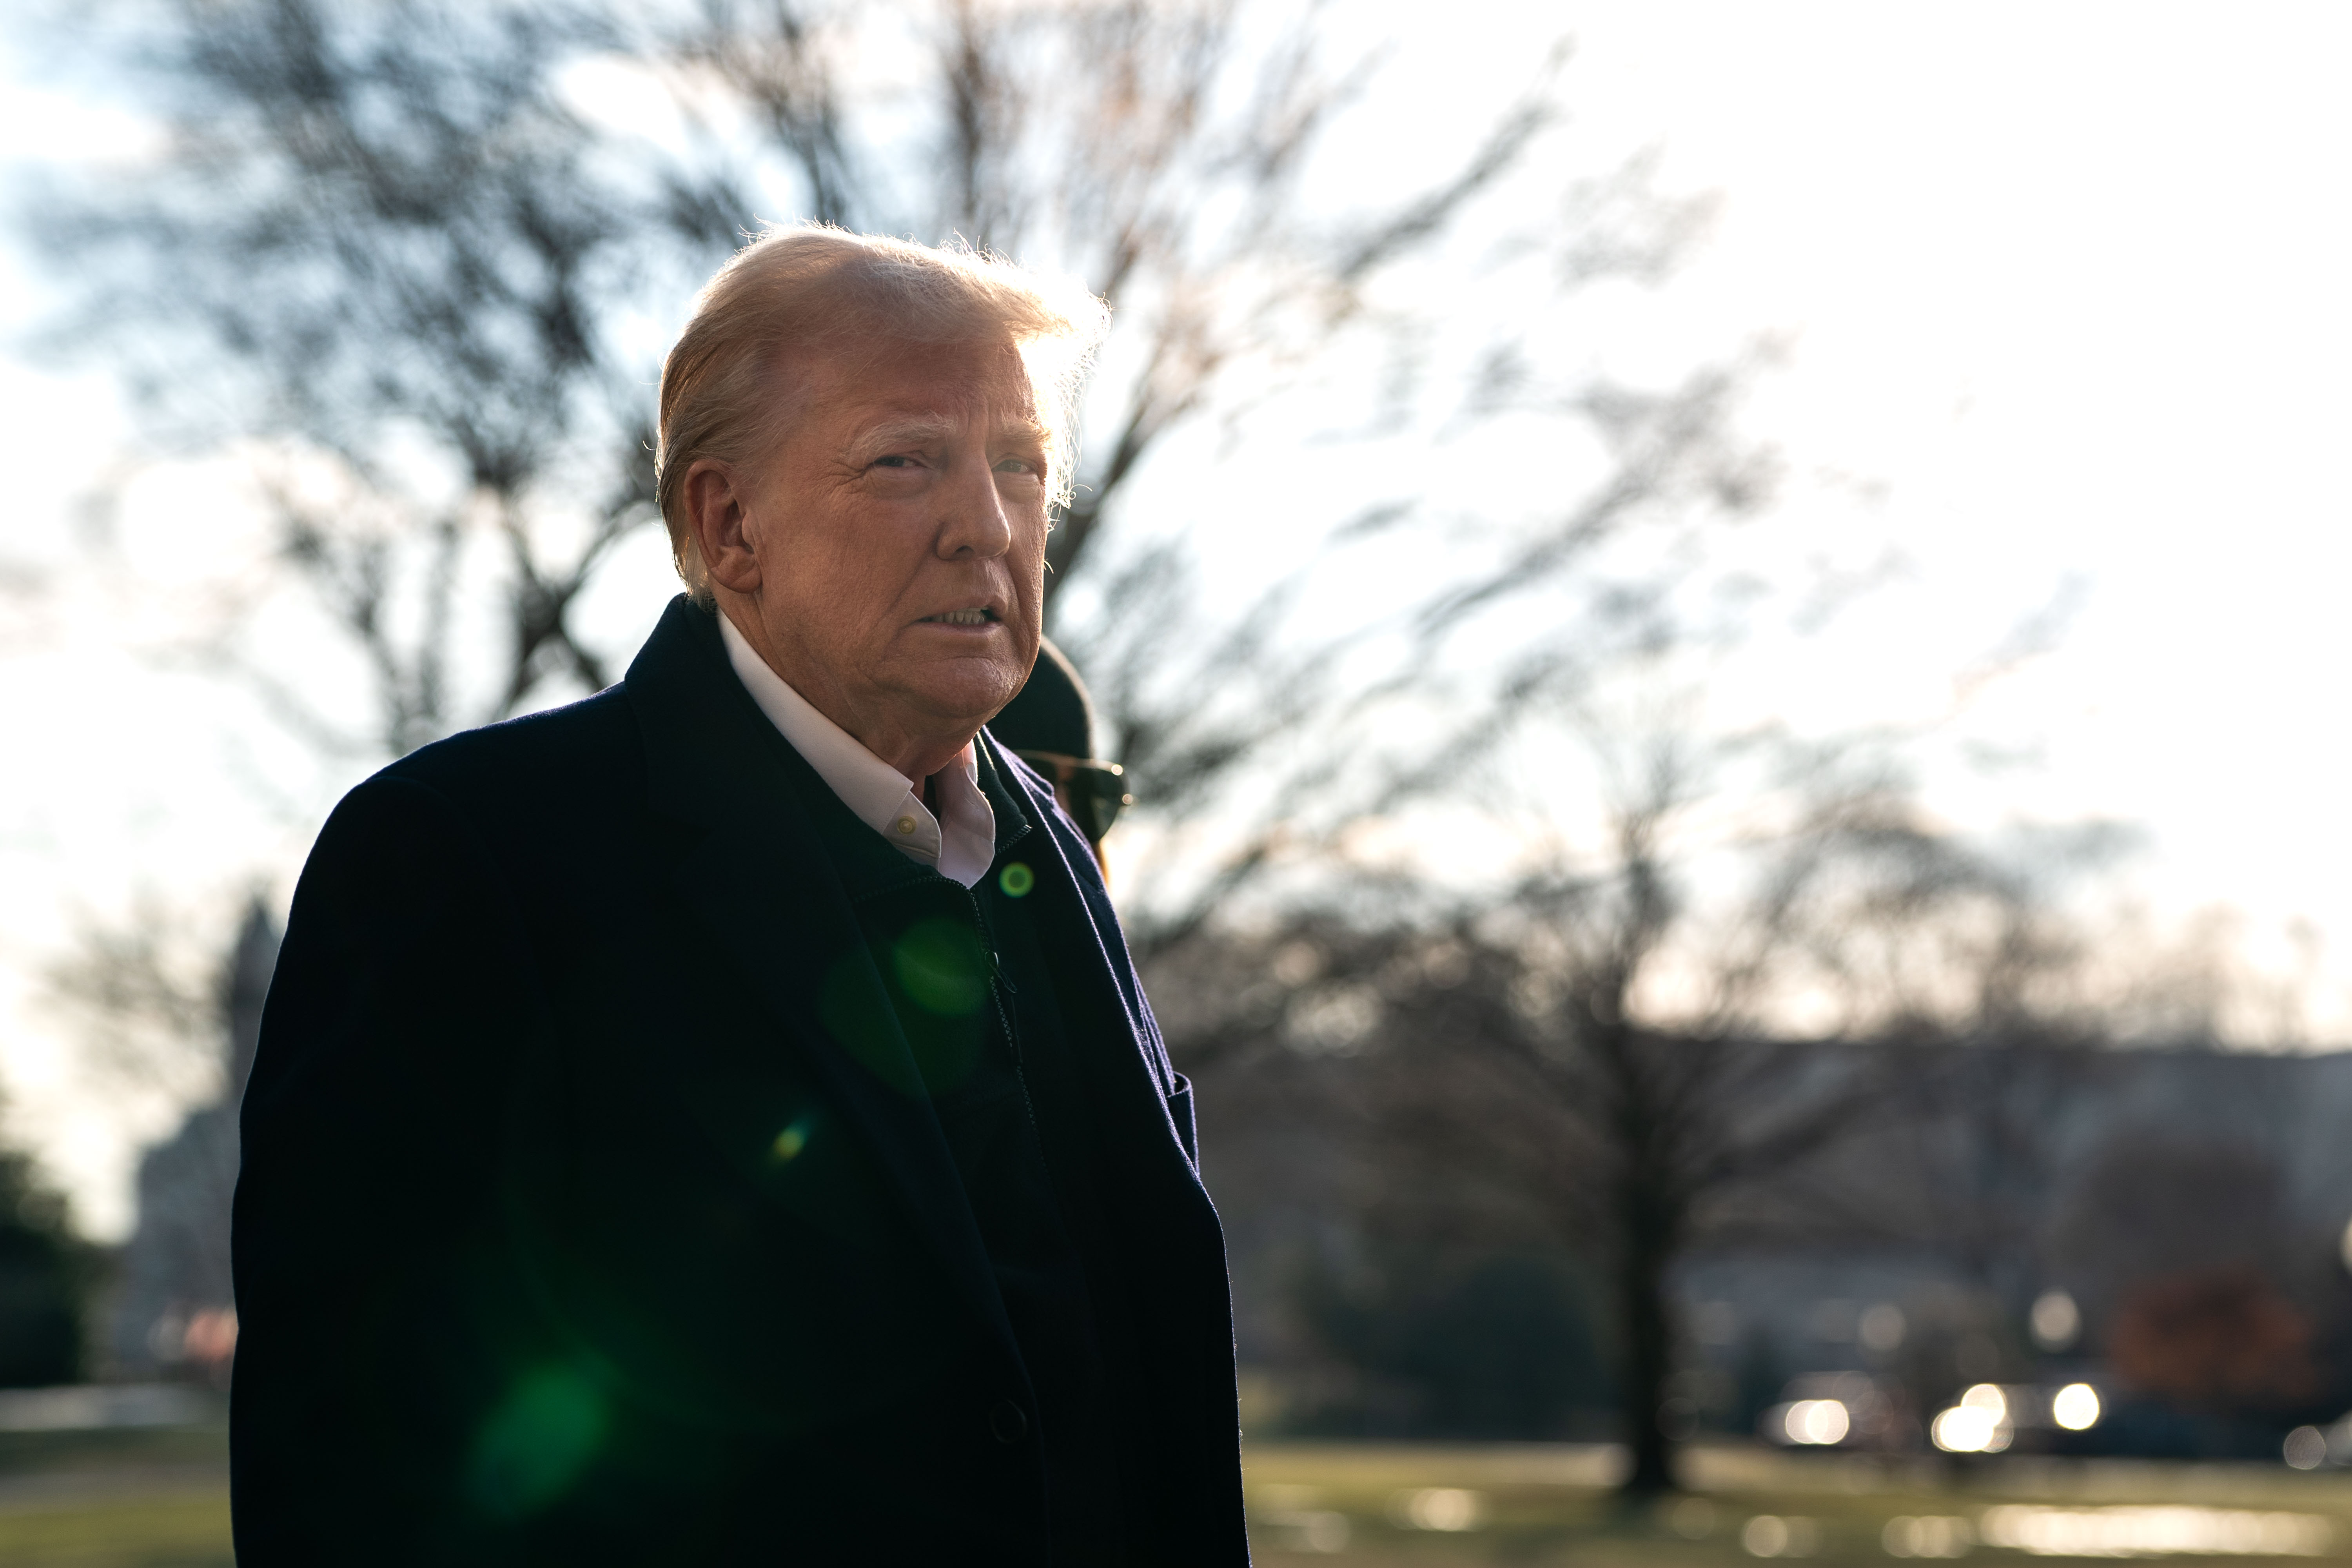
(1091,790)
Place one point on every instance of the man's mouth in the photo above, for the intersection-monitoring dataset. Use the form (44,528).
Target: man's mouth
(980,618)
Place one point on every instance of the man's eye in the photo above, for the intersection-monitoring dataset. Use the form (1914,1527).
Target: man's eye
(1016,466)
(895,460)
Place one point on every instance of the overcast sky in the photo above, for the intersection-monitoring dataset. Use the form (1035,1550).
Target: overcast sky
(2069,281)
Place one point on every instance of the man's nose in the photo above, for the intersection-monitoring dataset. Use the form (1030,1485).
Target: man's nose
(974,524)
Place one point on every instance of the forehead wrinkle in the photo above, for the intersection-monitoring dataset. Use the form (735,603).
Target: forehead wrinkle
(915,429)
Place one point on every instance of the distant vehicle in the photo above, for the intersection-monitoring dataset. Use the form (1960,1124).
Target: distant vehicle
(1989,1416)
(1841,1410)
(1856,1411)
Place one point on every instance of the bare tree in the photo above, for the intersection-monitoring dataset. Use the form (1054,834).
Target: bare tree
(379,245)
(385,242)
(1679,1030)
(1651,1127)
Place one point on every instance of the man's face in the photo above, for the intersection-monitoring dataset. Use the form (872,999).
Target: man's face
(900,531)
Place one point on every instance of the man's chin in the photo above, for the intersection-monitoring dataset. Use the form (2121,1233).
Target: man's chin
(963,699)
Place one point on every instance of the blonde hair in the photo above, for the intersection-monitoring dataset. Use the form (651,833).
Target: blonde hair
(814,287)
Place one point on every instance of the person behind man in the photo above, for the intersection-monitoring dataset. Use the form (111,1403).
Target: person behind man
(719,1122)
(1050,725)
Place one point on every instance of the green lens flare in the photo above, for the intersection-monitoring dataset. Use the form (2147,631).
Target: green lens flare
(536,1443)
(942,967)
(792,1140)
(1016,879)
(857,1014)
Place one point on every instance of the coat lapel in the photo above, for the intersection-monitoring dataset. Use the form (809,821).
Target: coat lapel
(1082,921)
(766,890)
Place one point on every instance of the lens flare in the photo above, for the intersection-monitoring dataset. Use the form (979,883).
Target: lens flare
(536,1443)
(942,967)
(792,1140)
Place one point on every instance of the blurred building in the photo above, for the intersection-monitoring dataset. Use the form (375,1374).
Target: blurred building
(175,1312)
(2166,1225)
(2170,1226)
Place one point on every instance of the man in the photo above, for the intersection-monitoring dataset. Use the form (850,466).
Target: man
(717,1121)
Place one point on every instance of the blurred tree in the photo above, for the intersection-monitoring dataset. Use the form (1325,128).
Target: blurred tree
(2152,1205)
(1609,1041)
(2221,1341)
(381,255)
(1648,1126)
(1453,1341)
(48,1277)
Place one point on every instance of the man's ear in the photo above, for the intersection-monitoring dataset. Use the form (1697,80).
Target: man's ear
(715,511)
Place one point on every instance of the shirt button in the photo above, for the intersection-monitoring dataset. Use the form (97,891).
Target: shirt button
(1007,1421)
(906,824)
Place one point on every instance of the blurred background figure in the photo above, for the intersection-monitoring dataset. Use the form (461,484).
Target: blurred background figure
(1050,725)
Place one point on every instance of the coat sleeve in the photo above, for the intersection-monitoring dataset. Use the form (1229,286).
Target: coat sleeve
(372,1290)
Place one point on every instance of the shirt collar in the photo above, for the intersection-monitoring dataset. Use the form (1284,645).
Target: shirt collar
(959,842)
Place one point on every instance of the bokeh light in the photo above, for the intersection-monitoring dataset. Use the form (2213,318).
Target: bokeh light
(1445,1508)
(2075,1407)
(2305,1449)
(2130,1532)
(2055,1321)
(1817,1422)
(1926,1535)
(1773,1535)
(1979,1424)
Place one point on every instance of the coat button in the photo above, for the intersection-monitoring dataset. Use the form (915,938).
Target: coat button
(1007,1421)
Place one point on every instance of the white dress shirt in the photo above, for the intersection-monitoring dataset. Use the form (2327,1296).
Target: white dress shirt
(886,800)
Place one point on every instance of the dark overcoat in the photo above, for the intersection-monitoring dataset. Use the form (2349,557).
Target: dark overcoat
(591,1210)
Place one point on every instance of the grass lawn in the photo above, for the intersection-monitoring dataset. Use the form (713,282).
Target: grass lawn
(160,1529)
(160,1499)
(115,1500)
(1367,1504)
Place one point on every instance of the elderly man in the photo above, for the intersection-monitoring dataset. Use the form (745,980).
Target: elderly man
(717,1121)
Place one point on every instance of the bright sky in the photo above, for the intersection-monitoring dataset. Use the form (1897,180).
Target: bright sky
(2071,281)
(2067,279)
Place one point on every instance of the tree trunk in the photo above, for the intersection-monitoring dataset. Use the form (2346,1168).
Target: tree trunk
(1650,1225)
(1646,1320)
